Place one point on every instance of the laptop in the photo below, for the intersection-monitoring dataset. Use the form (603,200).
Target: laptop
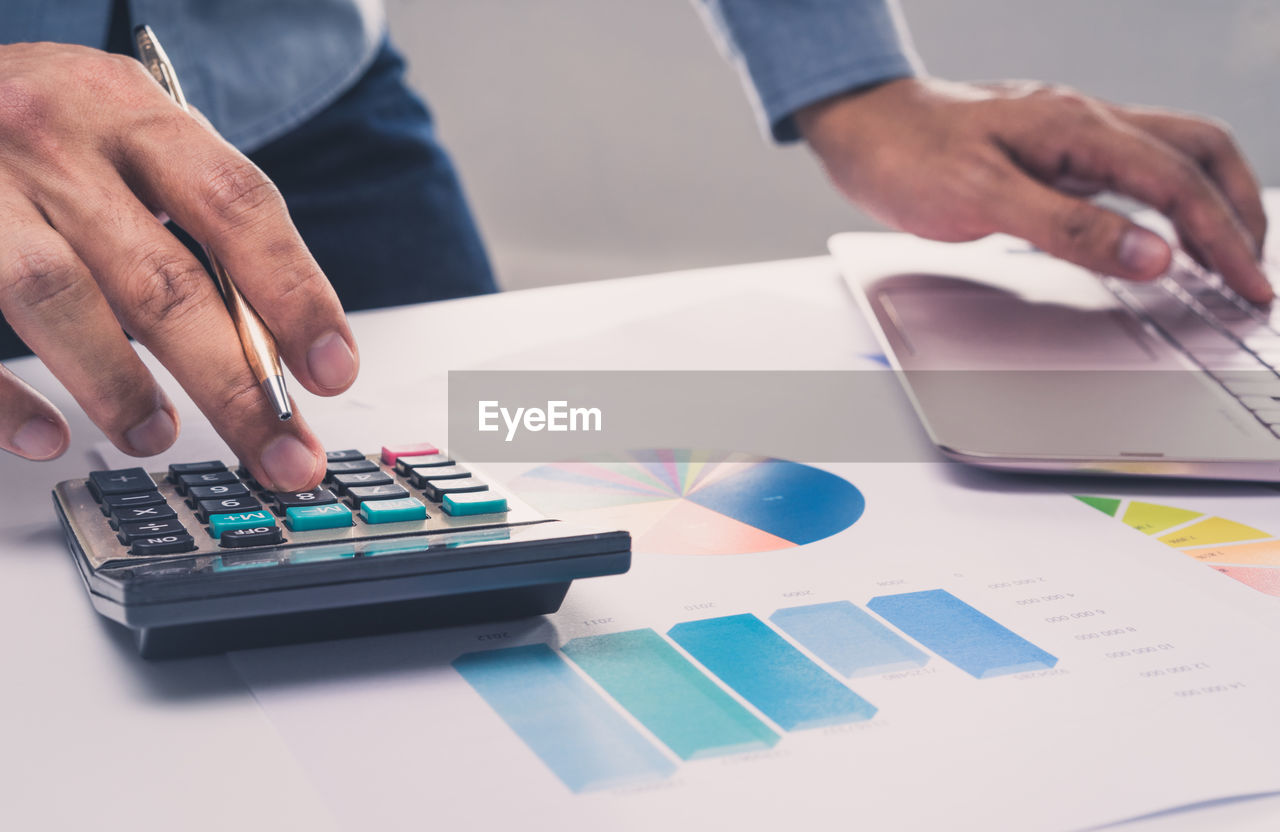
(1017,361)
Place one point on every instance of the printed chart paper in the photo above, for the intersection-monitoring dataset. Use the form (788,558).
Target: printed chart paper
(952,657)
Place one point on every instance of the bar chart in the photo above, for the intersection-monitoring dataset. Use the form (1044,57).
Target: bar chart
(630,707)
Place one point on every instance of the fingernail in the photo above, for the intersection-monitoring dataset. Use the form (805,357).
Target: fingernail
(1143,252)
(289,463)
(153,434)
(39,438)
(331,362)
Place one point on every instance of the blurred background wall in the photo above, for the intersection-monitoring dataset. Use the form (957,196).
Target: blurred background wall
(602,138)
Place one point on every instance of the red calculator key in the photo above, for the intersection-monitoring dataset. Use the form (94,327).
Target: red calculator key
(390,453)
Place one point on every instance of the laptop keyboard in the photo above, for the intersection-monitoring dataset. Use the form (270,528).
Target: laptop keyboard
(1231,339)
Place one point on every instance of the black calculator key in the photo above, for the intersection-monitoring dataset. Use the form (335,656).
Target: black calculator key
(393,491)
(165,544)
(186,481)
(130,532)
(177,469)
(343,456)
(260,536)
(247,478)
(355,466)
(226,505)
(421,476)
(141,514)
(121,481)
(217,492)
(345,482)
(315,497)
(436,490)
(147,498)
(406,464)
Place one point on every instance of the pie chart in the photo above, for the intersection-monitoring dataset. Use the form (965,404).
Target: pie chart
(682,502)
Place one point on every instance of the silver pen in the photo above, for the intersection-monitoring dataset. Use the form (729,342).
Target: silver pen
(259,345)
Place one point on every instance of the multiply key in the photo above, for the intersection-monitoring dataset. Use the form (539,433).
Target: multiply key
(347,481)
(141,514)
(123,481)
(130,532)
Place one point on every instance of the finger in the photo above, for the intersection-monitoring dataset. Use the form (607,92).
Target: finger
(1147,169)
(1217,153)
(30,426)
(166,300)
(53,304)
(1078,231)
(224,201)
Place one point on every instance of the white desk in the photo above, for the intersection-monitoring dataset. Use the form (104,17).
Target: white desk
(94,735)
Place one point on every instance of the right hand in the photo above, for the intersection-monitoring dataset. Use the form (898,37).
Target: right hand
(92,150)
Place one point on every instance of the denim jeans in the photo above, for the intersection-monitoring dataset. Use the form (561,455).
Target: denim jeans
(375,197)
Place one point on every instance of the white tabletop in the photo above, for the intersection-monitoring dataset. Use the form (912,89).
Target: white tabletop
(93,734)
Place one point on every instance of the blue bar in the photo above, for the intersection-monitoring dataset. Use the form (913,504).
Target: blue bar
(848,639)
(573,729)
(775,677)
(662,689)
(978,645)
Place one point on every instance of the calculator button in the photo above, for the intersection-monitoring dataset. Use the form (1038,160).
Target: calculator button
(256,536)
(348,481)
(393,491)
(185,481)
(114,501)
(314,497)
(343,456)
(392,511)
(355,466)
(421,476)
(484,502)
(308,518)
(227,505)
(166,544)
(247,478)
(219,523)
(199,493)
(122,481)
(390,453)
(436,490)
(130,532)
(177,469)
(141,514)
(406,464)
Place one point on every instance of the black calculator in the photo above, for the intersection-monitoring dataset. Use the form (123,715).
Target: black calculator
(201,559)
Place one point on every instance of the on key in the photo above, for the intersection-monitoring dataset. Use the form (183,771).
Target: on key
(167,544)
(346,482)
(121,481)
(130,532)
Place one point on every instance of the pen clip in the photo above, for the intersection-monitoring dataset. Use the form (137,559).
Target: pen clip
(153,57)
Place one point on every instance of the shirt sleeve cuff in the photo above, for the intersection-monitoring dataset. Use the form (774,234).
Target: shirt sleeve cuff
(778,112)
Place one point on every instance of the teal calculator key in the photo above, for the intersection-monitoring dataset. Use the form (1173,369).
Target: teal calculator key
(310,518)
(392,511)
(475,502)
(219,523)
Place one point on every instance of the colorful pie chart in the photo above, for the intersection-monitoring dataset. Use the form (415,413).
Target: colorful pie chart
(681,502)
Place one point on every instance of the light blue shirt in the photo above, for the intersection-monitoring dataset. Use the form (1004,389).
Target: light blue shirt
(258,68)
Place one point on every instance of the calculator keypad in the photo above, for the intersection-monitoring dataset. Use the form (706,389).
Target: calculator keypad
(208,507)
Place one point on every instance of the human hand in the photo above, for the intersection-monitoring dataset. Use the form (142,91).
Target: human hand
(955,162)
(91,151)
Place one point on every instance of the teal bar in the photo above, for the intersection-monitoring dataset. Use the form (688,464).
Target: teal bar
(219,523)
(683,708)
(309,518)
(771,674)
(475,502)
(851,641)
(573,729)
(393,511)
